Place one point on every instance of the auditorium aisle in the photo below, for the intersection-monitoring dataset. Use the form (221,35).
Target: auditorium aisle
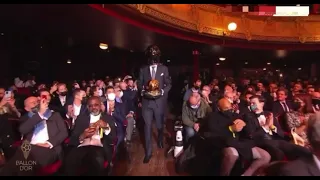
(159,165)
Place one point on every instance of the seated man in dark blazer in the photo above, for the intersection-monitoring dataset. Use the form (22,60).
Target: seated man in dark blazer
(267,133)
(282,106)
(58,103)
(117,111)
(92,135)
(307,166)
(43,131)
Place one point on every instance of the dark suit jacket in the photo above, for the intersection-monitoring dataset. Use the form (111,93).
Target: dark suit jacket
(301,167)
(56,105)
(83,122)
(278,112)
(254,131)
(277,108)
(56,126)
(130,99)
(119,113)
(162,75)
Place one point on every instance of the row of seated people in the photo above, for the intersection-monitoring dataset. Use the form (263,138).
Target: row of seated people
(253,136)
(92,133)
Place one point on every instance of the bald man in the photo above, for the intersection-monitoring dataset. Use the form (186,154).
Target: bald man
(44,131)
(193,111)
(224,127)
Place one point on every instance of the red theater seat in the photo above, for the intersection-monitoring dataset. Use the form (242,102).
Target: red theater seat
(50,169)
(66,141)
(17,144)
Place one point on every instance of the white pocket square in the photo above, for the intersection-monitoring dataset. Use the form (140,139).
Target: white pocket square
(161,74)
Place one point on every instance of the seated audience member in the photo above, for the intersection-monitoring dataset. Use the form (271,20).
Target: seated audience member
(95,91)
(223,129)
(129,110)
(78,106)
(265,130)
(196,88)
(270,96)
(206,96)
(92,135)
(44,131)
(244,105)
(316,101)
(311,90)
(117,111)
(281,106)
(297,120)
(58,102)
(8,106)
(307,166)
(193,112)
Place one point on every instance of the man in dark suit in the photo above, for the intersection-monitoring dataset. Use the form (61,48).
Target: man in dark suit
(281,106)
(267,133)
(307,166)
(58,102)
(153,108)
(44,132)
(76,106)
(117,110)
(92,136)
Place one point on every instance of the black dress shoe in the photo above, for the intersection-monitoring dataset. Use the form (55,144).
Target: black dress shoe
(146,159)
(160,145)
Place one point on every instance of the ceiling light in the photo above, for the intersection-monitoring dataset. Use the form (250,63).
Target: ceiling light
(69,61)
(232,26)
(222,58)
(264,69)
(245,62)
(168,60)
(103,46)
(2,34)
(299,69)
(268,63)
(218,64)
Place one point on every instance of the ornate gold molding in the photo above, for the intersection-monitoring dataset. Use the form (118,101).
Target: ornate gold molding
(209,19)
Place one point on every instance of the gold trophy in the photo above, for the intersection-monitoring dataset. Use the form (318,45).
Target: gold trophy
(153,89)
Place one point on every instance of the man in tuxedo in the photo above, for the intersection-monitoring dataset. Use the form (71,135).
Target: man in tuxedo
(307,166)
(58,102)
(267,134)
(76,106)
(45,132)
(92,137)
(153,108)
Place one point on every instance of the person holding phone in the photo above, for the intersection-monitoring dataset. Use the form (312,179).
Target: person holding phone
(91,137)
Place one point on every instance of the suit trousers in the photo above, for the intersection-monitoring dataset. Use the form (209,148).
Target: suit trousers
(149,112)
(92,157)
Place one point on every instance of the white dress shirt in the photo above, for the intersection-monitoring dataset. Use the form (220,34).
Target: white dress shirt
(262,121)
(155,69)
(63,100)
(316,161)
(40,133)
(95,140)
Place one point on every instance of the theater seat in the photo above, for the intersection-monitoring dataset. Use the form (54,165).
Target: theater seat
(17,144)
(49,169)
(66,141)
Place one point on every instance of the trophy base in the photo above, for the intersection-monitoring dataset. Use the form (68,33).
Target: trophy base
(152,94)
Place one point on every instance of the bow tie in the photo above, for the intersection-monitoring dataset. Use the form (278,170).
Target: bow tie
(259,114)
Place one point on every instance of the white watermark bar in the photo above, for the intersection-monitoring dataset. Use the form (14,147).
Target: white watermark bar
(292,11)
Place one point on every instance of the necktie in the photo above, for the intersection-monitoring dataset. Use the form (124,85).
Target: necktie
(153,72)
(285,107)
(109,111)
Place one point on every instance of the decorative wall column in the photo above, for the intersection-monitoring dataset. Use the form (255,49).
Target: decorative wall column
(196,64)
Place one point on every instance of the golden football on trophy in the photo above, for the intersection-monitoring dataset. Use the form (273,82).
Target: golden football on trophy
(153,88)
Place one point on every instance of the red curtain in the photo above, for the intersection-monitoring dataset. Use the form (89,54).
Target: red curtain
(107,9)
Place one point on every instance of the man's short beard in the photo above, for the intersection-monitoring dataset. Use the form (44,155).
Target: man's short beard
(95,113)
